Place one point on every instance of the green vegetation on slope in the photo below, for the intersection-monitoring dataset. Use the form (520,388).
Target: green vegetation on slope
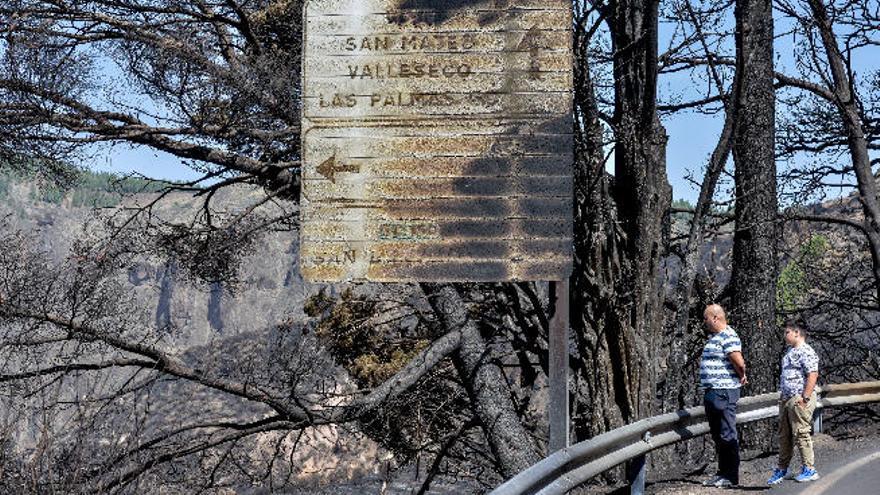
(794,281)
(90,189)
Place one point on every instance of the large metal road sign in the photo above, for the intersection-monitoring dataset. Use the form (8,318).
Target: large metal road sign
(437,140)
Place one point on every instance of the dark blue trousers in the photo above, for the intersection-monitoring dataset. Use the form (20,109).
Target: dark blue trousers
(720,407)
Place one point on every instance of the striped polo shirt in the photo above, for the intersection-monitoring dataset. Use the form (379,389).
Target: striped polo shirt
(716,370)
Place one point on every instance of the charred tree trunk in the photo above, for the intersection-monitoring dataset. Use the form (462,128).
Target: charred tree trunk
(754,242)
(490,396)
(619,231)
(678,385)
(597,265)
(642,196)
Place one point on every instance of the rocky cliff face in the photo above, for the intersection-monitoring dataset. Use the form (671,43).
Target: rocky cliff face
(270,289)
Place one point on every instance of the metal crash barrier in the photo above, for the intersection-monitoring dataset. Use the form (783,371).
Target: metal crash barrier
(567,468)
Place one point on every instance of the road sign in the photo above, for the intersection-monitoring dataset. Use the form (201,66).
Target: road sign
(437,140)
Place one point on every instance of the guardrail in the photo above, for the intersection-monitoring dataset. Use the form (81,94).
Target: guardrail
(567,468)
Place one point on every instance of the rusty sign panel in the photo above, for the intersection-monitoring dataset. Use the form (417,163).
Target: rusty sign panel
(437,140)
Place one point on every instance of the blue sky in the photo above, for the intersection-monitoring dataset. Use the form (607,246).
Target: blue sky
(125,159)
(692,137)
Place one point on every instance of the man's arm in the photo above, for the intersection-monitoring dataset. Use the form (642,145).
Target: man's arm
(812,377)
(739,365)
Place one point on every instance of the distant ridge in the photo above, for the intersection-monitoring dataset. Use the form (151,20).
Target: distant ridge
(89,189)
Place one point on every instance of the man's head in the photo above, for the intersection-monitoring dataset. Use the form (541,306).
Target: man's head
(714,318)
(795,332)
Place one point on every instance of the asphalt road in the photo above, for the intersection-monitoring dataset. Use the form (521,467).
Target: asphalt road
(848,466)
(853,473)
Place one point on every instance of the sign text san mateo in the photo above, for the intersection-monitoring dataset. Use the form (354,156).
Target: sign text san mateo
(437,140)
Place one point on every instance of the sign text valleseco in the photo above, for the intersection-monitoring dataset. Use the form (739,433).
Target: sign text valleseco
(437,140)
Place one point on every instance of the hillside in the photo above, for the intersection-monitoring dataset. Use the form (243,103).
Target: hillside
(194,313)
(201,323)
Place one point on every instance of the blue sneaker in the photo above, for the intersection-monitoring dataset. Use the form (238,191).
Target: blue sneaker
(777,476)
(807,474)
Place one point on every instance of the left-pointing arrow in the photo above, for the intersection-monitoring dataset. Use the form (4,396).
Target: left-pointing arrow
(330,167)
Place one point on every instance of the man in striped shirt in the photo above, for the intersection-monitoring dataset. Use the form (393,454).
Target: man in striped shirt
(722,373)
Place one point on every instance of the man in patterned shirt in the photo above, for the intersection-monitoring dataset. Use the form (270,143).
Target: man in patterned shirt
(722,373)
(797,401)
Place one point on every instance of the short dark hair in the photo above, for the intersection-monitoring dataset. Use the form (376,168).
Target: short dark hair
(797,325)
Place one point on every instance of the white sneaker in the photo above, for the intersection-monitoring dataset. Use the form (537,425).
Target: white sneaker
(718,482)
(711,481)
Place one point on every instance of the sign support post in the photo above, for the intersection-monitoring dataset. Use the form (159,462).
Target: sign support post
(558,348)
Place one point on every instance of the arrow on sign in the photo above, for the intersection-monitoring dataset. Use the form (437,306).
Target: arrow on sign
(330,167)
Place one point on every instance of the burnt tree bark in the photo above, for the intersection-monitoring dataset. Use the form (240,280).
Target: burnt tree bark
(754,243)
(619,229)
(597,262)
(642,196)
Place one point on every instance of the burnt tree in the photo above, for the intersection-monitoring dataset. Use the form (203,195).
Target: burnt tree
(618,223)
(755,263)
(841,92)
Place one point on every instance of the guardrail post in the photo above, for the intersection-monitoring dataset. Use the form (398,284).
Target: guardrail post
(636,472)
(817,420)
(558,349)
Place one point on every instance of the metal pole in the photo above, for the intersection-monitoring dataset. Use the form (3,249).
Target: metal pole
(636,472)
(558,344)
(817,420)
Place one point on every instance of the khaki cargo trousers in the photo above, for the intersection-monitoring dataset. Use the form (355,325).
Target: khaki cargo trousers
(795,424)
